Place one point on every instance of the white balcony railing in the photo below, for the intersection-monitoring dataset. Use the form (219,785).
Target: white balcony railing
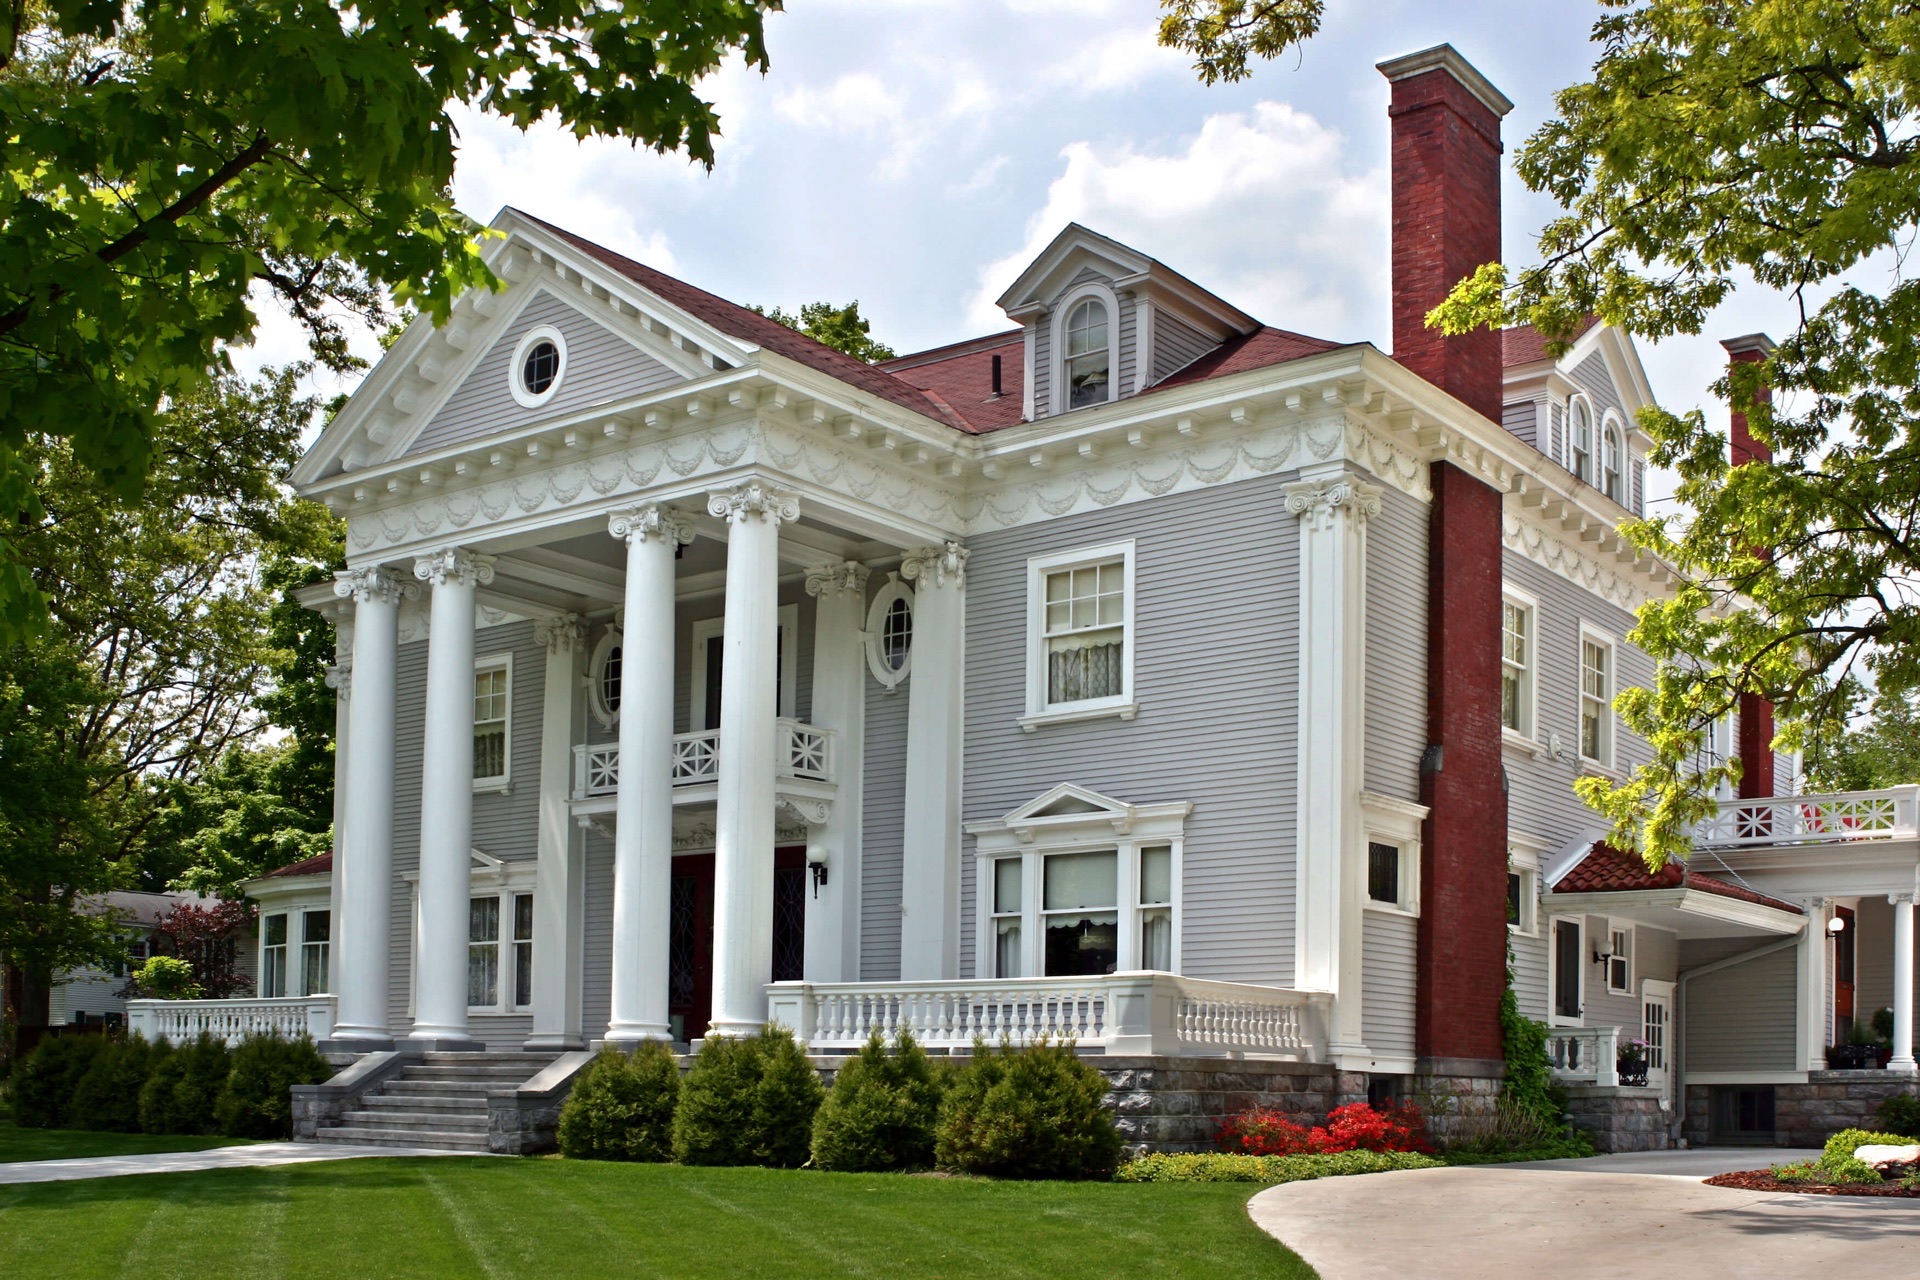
(802,751)
(1839,818)
(181,1021)
(1585,1055)
(1122,1013)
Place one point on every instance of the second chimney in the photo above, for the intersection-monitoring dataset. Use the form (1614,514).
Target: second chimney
(1446,215)
(1756,713)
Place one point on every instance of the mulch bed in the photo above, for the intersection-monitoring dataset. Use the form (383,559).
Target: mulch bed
(1763,1180)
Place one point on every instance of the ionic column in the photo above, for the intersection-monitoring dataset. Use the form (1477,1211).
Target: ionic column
(839,704)
(1902,1059)
(558,889)
(1816,1001)
(1331,891)
(930,867)
(340,680)
(643,806)
(446,800)
(363,865)
(743,819)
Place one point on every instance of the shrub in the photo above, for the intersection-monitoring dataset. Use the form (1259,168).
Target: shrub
(1836,1165)
(107,1098)
(1901,1114)
(1354,1127)
(621,1107)
(1035,1112)
(1843,1144)
(256,1101)
(45,1080)
(1230,1167)
(1513,1131)
(882,1112)
(164,978)
(747,1100)
(1261,1131)
(183,1087)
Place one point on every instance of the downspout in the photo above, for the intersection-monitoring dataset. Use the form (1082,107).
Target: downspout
(1680,1014)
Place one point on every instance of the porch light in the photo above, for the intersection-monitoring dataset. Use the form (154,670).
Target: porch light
(1837,925)
(817,864)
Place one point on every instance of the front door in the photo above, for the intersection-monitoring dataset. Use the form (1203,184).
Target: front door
(1843,948)
(1656,1028)
(690,928)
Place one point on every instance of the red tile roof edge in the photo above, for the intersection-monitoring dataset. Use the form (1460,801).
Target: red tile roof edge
(1607,869)
(316,865)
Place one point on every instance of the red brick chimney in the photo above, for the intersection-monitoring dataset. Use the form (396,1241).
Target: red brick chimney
(1446,224)
(1756,713)
(1446,215)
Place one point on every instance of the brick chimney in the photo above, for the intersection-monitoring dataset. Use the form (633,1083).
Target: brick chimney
(1446,215)
(1756,713)
(1446,223)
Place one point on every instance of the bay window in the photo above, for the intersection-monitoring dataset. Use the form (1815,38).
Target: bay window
(273,955)
(316,934)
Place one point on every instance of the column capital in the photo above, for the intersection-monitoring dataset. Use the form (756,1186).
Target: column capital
(1321,500)
(935,566)
(562,633)
(340,678)
(753,499)
(1896,899)
(848,577)
(456,565)
(372,583)
(651,520)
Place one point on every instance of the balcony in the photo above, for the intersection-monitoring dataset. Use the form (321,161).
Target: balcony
(1846,817)
(804,770)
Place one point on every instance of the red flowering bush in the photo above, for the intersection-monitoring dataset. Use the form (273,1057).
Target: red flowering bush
(1355,1127)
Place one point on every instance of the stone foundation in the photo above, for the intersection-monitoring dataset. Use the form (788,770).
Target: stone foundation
(1619,1118)
(1458,1096)
(1179,1104)
(1806,1115)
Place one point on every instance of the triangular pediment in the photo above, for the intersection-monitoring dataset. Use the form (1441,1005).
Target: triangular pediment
(1068,801)
(1078,255)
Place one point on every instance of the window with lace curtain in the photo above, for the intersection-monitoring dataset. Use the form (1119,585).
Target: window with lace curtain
(492,716)
(1082,623)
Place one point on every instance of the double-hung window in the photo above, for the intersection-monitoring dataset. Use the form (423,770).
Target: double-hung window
(1520,898)
(1516,666)
(522,950)
(1620,961)
(1580,435)
(1612,461)
(1080,913)
(1009,906)
(1156,908)
(1088,355)
(500,952)
(1081,624)
(492,722)
(316,935)
(483,952)
(273,955)
(1596,699)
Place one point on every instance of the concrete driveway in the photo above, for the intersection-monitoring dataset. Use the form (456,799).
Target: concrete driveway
(1629,1216)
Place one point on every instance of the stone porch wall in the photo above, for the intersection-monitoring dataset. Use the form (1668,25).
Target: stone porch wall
(1179,1104)
(1806,1115)
(1619,1118)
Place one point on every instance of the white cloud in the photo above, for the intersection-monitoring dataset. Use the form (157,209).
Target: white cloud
(1263,207)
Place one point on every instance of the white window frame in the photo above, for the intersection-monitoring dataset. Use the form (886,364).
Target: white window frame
(1613,434)
(1392,822)
(1583,473)
(503,781)
(1604,762)
(1619,932)
(1123,705)
(615,638)
(267,958)
(1527,736)
(1523,859)
(1059,400)
(1554,1016)
(488,877)
(326,949)
(1097,824)
(296,905)
(707,629)
(516,379)
(893,589)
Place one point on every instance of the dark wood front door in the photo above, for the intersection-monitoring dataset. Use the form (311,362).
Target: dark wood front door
(690,927)
(1843,962)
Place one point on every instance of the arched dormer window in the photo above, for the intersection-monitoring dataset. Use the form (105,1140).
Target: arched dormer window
(1580,438)
(1612,460)
(1087,354)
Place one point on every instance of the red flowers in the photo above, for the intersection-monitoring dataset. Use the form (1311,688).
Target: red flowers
(1355,1127)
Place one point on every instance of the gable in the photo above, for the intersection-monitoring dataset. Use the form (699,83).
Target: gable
(601,365)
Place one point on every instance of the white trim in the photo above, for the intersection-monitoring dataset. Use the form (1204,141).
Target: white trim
(1554,1017)
(1062,312)
(1593,440)
(1123,704)
(1609,725)
(1623,928)
(502,782)
(1612,423)
(708,629)
(1527,867)
(516,380)
(1527,735)
(892,589)
(1393,822)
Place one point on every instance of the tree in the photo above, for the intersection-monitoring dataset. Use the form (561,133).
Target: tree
(1882,751)
(164,162)
(1223,34)
(207,939)
(841,328)
(1773,139)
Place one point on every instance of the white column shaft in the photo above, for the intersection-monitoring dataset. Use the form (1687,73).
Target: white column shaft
(1816,945)
(558,898)
(1902,983)
(341,678)
(930,860)
(839,704)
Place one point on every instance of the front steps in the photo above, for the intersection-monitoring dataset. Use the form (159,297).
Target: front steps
(438,1101)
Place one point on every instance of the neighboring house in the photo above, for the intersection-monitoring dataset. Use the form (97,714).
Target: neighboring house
(91,994)
(1143,672)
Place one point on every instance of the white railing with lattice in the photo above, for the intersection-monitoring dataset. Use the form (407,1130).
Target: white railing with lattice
(1839,818)
(182,1021)
(1122,1013)
(804,752)
(1585,1055)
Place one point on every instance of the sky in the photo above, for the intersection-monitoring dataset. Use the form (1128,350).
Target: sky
(915,154)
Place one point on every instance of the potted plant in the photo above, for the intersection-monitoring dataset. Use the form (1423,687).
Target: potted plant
(1883,1035)
(1630,1060)
(1859,1053)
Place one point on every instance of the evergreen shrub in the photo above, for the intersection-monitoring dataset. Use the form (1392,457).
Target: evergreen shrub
(1035,1112)
(882,1111)
(182,1088)
(107,1098)
(747,1100)
(1901,1114)
(622,1106)
(257,1101)
(45,1080)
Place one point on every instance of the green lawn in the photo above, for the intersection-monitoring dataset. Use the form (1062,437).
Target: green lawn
(501,1218)
(71,1144)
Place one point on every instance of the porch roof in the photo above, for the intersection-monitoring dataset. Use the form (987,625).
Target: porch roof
(1610,881)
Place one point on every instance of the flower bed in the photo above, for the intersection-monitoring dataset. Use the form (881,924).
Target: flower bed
(1837,1171)
(1225,1166)
(1764,1180)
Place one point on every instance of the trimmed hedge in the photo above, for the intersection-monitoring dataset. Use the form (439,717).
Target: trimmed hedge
(882,1112)
(621,1107)
(1215,1166)
(45,1080)
(183,1086)
(747,1100)
(257,1101)
(1036,1112)
(107,1098)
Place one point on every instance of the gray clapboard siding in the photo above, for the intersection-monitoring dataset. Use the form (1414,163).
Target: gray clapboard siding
(1387,985)
(1639,497)
(1216,651)
(601,366)
(1527,953)
(596,941)
(1522,418)
(1741,1018)
(1129,322)
(1396,671)
(1176,344)
(883,830)
(410,703)
(1655,956)
(1042,370)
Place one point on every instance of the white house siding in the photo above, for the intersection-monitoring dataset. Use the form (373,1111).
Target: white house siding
(1522,417)
(601,365)
(1740,1018)
(1387,987)
(90,991)
(1527,957)
(1216,649)
(596,942)
(1129,323)
(883,829)
(1176,344)
(1396,673)
(1042,371)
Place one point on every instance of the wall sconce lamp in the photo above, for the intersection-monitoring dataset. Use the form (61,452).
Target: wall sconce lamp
(817,864)
(1837,925)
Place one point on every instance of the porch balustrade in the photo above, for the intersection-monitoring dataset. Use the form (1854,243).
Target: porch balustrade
(1892,813)
(1585,1055)
(802,751)
(183,1021)
(1123,1013)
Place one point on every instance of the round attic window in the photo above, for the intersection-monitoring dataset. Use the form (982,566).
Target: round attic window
(539,363)
(890,633)
(541,368)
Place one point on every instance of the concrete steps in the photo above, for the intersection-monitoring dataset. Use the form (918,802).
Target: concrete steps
(438,1102)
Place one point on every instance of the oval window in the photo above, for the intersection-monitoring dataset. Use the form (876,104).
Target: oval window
(541,367)
(896,634)
(890,633)
(610,680)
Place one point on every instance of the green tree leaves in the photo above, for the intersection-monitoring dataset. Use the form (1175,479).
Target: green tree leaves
(1222,35)
(841,328)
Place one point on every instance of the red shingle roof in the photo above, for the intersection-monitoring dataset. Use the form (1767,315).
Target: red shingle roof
(1523,344)
(315,866)
(1606,869)
(1264,346)
(961,376)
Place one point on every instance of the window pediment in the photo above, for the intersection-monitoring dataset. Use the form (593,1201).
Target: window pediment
(1069,812)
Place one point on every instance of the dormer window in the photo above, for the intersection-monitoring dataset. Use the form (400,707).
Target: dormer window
(1580,430)
(1087,355)
(1612,454)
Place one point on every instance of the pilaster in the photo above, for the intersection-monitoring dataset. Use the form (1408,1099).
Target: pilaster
(930,870)
(1814,1003)
(1902,1059)
(839,704)
(559,887)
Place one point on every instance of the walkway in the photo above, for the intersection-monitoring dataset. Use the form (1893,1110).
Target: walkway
(1626,1216)
(258,1156)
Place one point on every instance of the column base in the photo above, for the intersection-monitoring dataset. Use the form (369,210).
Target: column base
(435,1043)
(1907,1068)
(626,1038)
(735,1030)
(553,1042)
(359,1042)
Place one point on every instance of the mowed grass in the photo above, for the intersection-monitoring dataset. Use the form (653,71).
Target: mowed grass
(459,1216)
(73,1144)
